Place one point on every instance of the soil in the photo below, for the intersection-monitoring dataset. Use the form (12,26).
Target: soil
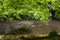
(36,27)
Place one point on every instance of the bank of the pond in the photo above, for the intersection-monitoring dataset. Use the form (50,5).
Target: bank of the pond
(36,27)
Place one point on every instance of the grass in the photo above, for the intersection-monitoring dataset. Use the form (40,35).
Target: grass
(29,37)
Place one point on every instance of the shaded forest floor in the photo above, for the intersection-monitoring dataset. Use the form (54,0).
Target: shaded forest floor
(36,27)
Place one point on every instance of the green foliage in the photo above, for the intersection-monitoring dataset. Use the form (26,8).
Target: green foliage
(42,15)
(17,37)
(27,9)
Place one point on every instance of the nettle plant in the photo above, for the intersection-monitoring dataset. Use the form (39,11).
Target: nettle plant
(28,9)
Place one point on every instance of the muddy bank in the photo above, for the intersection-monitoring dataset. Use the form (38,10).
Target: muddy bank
(37,27)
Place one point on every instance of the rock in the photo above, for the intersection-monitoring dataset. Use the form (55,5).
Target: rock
(33,26)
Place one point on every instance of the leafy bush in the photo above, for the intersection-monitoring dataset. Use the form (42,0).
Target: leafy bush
(10,10)
(23,30)
(53,33)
